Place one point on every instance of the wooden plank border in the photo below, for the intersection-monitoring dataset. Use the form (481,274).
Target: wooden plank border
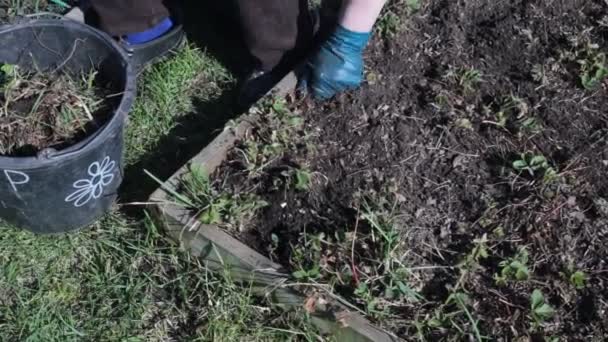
(221,251)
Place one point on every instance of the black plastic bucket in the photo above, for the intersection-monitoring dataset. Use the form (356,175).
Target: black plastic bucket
(62,190)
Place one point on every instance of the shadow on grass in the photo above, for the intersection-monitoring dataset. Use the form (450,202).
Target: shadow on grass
(213,27)
(192,133)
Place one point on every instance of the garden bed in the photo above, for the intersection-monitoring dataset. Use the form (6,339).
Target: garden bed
(460,194)
(221,251)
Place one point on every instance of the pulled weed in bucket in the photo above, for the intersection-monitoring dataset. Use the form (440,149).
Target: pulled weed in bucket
(39,111)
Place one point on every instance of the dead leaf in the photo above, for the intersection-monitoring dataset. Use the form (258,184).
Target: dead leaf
(342,318)
(310,304)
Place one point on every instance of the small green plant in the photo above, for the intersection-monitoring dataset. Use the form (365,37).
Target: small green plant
(478,253)
(388,25)
(539,73)
(382,225)
(466,78)
(541,311)
(454,313)
(530,125)
(502,118)
(438,320)
(462,301)
(467,266)
(514,268)
(535,164)
(511,108)
(469,78)
(274,245)
(306,256)
(215,207)
(302,178)
(397,286)
(413,5)
(593,70)
(578,279)
(269,143)
(312,273)
(362,291)
(7,71)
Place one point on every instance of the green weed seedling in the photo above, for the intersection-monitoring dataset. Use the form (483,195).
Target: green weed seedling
(466,78)
(312,273)
(438,320)
(383,225)
(395,274)
(458,297)
(390,22)
(397,286)
(462,301)
(413,5)
(479,252)
(533,164)
(388,25)
(530,125)
(363,291)
(541,311)
(514,268)
(214,206)
(303,179)
(272,140)
(516,109)
(539,74)
(455,313)
(593,70)
(7,72)
(306,257)
(578,279)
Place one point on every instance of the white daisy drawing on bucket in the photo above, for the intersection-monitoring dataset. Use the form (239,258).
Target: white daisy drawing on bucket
(101,175)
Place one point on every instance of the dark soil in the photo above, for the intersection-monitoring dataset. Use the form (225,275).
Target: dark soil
(40,111)
(435,145)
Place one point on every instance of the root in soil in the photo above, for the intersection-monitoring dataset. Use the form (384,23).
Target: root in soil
(40,111)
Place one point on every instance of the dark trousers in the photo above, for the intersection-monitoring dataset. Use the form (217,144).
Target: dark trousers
(272,28)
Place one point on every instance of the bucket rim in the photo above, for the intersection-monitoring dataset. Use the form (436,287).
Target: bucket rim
(43,160)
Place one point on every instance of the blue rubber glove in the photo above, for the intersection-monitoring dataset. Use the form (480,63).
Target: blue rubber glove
(338,66)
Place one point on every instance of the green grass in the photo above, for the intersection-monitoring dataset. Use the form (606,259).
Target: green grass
(121,279)
(166,92)
(214,207)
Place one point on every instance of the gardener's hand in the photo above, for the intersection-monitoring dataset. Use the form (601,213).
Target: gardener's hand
(338,66)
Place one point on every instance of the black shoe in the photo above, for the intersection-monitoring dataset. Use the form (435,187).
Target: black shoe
(145,54)
(140,55)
